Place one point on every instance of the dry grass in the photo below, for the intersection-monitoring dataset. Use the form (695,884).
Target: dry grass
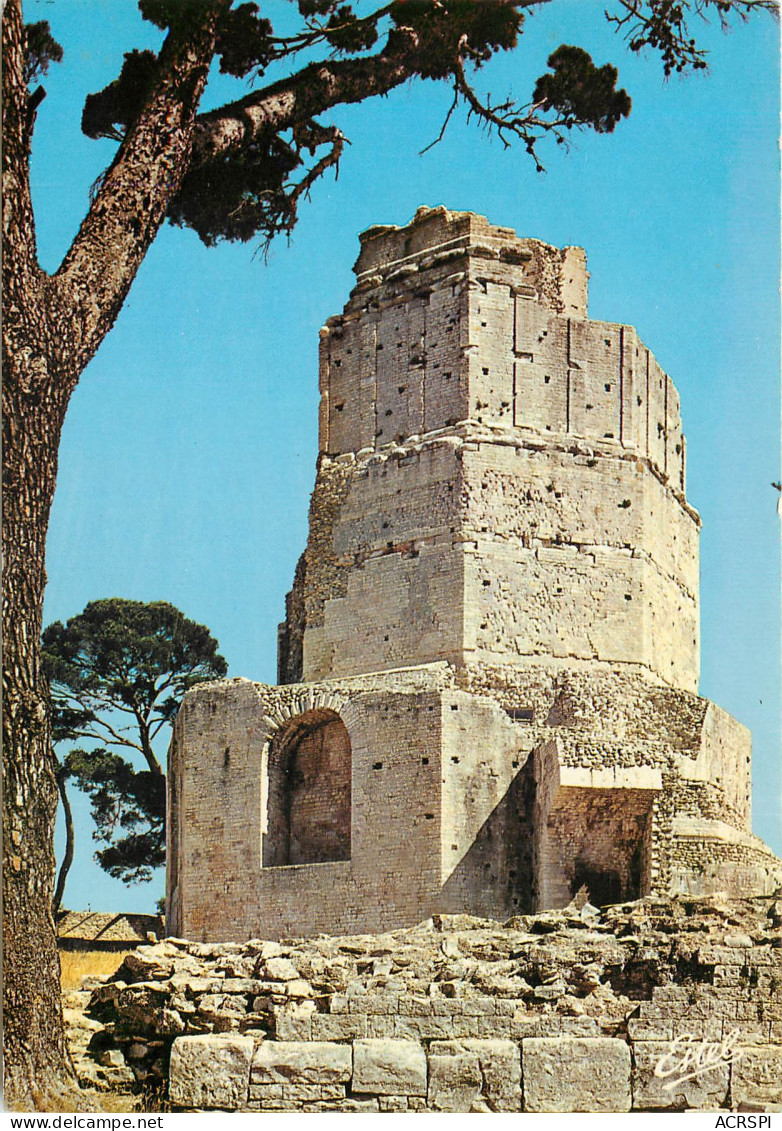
(75,964)
(115,1101)
(69,1097)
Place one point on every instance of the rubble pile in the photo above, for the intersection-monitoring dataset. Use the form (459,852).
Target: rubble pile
(426,1018)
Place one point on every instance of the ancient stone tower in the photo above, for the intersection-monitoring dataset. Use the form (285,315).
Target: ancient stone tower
(489,663)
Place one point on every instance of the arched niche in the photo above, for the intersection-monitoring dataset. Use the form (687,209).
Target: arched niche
(309,791)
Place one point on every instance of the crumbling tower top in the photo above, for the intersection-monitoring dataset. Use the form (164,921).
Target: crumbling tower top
(454,319)
(437,239)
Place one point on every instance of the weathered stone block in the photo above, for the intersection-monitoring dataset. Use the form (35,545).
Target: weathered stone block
(309,1092)
(659,1084)
(479,1007)
(294,1023)
(371,1004)
(423,1027)
(281,970)
(306,1062)
(298,988)
(360,1105)
(215,1004)
(639,1029)
(756,1076)
(576,1074)
(393,1103)
(455,1082)
(390,1067)
(342,1027)
(380,1026)
(210,1071)
(266,1092)
(463,1072)
(483,1028)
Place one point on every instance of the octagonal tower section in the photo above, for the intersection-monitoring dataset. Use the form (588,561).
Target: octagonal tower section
(501,479)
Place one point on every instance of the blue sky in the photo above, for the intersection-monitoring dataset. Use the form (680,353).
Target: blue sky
(189,448)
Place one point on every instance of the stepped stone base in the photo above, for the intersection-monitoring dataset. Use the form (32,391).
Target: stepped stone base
(370,802)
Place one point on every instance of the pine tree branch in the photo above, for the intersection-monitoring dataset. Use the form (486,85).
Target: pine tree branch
(664,28)
(508,118)
(96,727)
(131,203)
(115,739)
(301,97)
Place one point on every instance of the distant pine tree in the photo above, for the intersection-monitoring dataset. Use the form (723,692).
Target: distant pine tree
(117,673)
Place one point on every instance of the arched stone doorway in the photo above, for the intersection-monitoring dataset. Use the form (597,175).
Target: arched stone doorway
(603,885)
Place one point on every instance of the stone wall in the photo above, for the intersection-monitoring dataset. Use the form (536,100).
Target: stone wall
(369,872)
(481,545)
(600,838)
(473,322)
(562,1011)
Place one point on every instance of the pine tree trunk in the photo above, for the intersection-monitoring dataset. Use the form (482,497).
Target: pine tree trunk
(52,327)
(36,1063)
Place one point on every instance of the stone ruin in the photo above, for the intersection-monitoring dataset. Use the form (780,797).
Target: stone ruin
(489,663)
(568,1010)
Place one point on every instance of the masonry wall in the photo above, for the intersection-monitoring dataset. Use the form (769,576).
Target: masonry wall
(473,546)
(459,319)
(598,839)
(561,1011)
(393,872)
(438,817)
(487,829)
(384,579)
(567,555)
(213,833)
(259,862)
(445,790)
